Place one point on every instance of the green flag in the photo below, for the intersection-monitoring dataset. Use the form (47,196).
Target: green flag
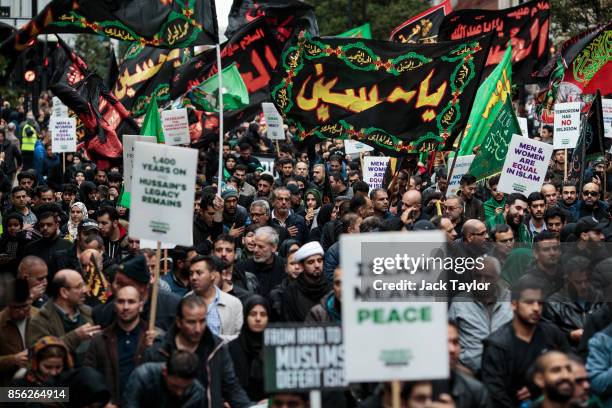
(491,155)
(235,93)
(489,100)
(364,31)
(152,125)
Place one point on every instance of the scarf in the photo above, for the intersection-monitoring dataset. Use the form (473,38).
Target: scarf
(73,227)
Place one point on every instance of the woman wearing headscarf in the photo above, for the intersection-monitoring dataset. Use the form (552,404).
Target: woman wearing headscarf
(12,224)
(312,201)
(323,217)
(78,213)
(246,349)
(49,358)
(88,194)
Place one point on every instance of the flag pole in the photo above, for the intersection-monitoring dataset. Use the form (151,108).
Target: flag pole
(155,291)
(450,172)
(220,79)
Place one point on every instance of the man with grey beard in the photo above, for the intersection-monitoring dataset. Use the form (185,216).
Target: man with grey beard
(268,267)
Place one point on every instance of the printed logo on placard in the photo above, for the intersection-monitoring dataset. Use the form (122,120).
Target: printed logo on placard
(397,357)
(161,227)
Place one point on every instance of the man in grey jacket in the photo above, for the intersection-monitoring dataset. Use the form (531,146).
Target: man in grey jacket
(479,313)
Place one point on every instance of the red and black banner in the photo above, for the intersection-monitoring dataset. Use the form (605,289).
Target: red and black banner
(147,72)
(284,17)
(398,98)
(101,117)
(591,143)
(424,27)
(524,26)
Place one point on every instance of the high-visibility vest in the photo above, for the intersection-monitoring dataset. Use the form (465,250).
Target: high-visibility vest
(28,142)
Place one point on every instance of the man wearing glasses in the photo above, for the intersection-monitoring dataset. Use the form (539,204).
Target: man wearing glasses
(590,205)
(66,316)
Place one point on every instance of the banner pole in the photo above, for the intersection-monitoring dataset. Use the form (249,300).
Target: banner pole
(165,261)
(315,399)
(220,79)
(565,166)
(396,400)
(155,291)
(450,173)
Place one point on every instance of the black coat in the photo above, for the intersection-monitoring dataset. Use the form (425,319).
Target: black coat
(45,248)
(201,231)
(215,373)
(500,373)
(468,392)
(11,155)
(595,322)
(268,276)
(244,367)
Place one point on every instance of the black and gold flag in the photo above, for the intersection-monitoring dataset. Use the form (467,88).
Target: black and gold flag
(398,98)
(525,27)
(424,27)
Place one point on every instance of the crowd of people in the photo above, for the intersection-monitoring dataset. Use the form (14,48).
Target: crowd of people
(77,288)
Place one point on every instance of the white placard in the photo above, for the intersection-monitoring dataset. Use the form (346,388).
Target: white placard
(386,337)
(176,127)
(163,192)
(128,157)
(567,125)
(148,244)
(523,125)
(267,163)
(63,134)
(353,146)
(606,106)
(59,109)
(462,166)
(374,170)
(274,122)
(525,166)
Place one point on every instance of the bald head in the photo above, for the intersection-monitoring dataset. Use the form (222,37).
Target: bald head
(472,225)
(29,265)
(68,288)
(474,232)
(412,196)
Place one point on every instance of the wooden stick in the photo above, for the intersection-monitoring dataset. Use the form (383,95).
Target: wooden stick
(315,399)
(565,166)
(165,261)
(155,292)
(396,396)
(63,163)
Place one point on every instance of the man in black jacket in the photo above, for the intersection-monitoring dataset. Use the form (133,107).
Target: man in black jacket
(283,215)
(510,351)
(209,221)
(135,272)
(545,268)
(215,369)
(268,268)
(51,241)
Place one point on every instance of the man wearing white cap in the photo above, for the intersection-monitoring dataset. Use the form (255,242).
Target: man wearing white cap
(309,287)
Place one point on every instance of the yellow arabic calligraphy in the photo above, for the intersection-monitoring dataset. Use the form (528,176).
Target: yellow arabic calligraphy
(118,33)
(349,99)
(177,33)
(146,70)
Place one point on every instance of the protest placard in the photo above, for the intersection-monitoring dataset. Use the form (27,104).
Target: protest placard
(374,170)
(606,107)
(525,166)
(462,166)
(274,122)
(267,163)
(59,109)
(163,191)
(128,157)
(63,134)
(175,126)
(523,125)
(353,146)
(303,357)
(566,125)
(379,322)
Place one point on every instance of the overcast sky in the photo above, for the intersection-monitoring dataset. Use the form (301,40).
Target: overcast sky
(223,8)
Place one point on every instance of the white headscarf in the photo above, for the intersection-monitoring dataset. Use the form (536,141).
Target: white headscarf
(73,228)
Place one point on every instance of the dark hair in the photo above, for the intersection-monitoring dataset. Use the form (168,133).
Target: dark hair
(357,202)
(114,176)
(493,181)
(39,190)
(190,301)
(245,146)
(183,364)
(285,160)
(553,212)
(210,262)
(498,228)
(337,176)
(179,253)
(108,210)
(347,221)
(515,196)
(535,196)
(370,224)
(267,178)
(544,236)
(360,186)
(376,190)
(576,264)
(441,173)
(467,179)
(524,284)
(70,188)
(241,167)
(392,224)
(17,189)
(224,238)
